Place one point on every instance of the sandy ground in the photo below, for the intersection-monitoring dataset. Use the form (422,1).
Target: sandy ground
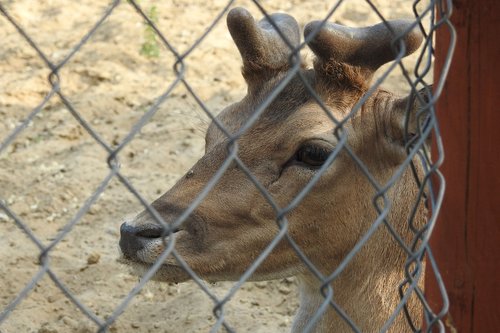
(54,165)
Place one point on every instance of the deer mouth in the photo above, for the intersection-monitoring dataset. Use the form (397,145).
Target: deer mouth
(165,273)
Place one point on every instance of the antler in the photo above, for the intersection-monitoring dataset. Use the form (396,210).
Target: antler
(367,48)
(260,45)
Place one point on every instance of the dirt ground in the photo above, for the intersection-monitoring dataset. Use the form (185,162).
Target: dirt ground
(50,170)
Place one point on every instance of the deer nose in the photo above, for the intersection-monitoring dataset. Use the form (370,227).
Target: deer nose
(134,239)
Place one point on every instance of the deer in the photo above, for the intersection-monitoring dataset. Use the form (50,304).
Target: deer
(284,148)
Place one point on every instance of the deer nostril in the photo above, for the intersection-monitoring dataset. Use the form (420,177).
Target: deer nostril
(151,232)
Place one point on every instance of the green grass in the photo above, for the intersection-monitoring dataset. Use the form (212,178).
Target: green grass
(151,46)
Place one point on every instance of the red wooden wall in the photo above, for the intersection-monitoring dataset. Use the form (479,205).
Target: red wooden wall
(466,241)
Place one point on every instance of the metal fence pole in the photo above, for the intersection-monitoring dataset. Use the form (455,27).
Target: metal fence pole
(466,240)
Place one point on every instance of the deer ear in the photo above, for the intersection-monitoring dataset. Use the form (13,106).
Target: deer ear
(410,116)
(263,49)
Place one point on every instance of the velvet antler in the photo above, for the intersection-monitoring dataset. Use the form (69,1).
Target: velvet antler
(366,49)
(263,50)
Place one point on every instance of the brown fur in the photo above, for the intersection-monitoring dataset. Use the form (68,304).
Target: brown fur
(235,223)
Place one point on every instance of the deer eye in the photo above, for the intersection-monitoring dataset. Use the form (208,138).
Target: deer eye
(312,155)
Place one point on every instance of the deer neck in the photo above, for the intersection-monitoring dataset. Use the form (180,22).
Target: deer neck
(367,299)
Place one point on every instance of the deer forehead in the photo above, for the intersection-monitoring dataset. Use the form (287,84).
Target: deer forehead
(307,122)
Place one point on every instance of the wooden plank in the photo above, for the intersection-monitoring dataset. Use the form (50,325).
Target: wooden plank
(466,241)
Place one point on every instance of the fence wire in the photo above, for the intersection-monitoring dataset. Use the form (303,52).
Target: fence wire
(430,185)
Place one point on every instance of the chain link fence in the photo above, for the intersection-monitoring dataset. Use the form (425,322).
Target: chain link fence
(427,181)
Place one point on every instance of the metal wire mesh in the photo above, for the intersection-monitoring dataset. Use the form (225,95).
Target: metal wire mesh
(429,17)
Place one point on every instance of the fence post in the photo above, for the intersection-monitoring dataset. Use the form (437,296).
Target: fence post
(466,241)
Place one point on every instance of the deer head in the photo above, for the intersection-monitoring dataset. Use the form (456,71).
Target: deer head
(287,145)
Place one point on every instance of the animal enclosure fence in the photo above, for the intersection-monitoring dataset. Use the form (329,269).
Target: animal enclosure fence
(428,17)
